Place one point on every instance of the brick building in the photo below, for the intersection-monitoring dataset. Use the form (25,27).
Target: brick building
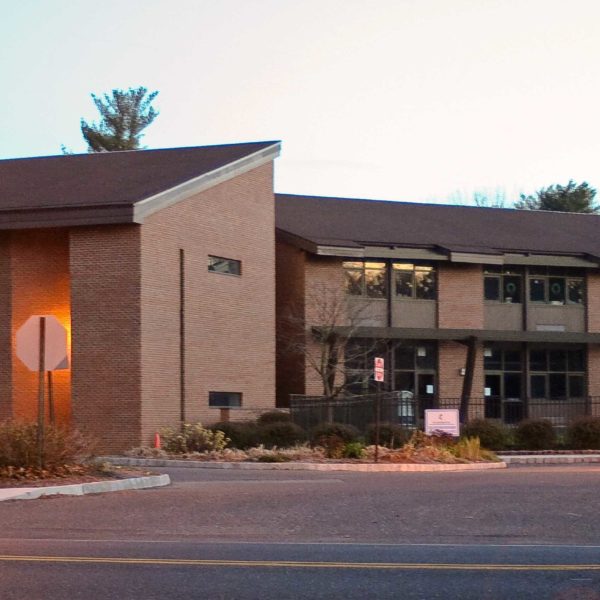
(161,265)
(499,307)
(175,272)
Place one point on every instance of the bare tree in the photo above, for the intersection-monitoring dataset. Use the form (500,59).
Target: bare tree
(323,332)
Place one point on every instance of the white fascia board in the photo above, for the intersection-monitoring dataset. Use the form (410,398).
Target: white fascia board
(148,206)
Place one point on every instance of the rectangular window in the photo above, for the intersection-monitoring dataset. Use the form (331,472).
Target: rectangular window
(550,287)
(414,281)
(224,399)
(227,266)
(502,284)
(367,279)
(557,374)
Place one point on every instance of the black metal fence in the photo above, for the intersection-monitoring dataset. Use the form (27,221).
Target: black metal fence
(407,411)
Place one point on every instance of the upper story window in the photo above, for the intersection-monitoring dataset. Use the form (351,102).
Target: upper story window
(555,286)
(367,279)
(503,284)
(227,266)
(414,281)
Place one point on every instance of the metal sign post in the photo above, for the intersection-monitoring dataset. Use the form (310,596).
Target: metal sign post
(41,391)
(379,372)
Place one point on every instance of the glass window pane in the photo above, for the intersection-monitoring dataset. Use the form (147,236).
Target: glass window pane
(575,291)
(512,360)
(538,360)
(538,386)
(558,360)
(512,288)
(491,287)
(426,356)
(556,290)
(576,360)
(375,283)
(353,264)
(404,284)
(537,290)
(405,357)
(224,399)
(492,269)
(404,267)
(558,385)
(494,361)
(425,283)
(512,386)
(405,382)
(354,282)
(576,386)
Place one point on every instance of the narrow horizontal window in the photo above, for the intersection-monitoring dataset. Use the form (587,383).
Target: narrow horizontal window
(227,266)
(224,399)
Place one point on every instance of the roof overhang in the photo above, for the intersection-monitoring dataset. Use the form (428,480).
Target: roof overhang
(462,335)
(356,250)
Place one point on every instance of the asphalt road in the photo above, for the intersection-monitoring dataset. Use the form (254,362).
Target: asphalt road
(518,533)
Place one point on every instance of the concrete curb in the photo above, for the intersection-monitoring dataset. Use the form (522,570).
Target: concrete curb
(550,459)
(301,466)
(81,489)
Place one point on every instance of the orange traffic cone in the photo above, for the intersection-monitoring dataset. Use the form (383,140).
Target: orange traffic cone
(156,440)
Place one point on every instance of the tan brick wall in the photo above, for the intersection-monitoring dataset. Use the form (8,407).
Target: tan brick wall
(593,382)
(6,350)
(460,297)
(451,358)
(230,320)
(324,293)
(39,263)
(105,267)
(289,284)
(593,301)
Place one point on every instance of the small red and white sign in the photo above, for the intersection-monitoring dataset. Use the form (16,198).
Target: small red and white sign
(379,368)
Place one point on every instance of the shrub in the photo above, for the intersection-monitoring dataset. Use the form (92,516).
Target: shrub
(282,434)
(535,434)
(347,433)
(492,435)
(353,450)
(241,434)
(192,438)
(391,435)
(273,416)
(584,434)
(19,448)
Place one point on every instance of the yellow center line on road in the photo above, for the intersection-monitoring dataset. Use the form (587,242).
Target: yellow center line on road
(287,564)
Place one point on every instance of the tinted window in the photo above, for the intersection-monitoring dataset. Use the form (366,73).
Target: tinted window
(537,290)
(556,290)
(512,288)
(224,399)
(492,288)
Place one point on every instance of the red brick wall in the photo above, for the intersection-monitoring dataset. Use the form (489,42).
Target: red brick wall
(105,267)
(593,301)
(6,350)
(230,320)
(460,296)
(290,289)
(39,263)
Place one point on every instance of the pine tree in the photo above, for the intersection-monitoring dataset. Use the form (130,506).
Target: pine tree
(124,115)
(569,198)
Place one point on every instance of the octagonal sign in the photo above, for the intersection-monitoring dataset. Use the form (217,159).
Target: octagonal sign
(28,344)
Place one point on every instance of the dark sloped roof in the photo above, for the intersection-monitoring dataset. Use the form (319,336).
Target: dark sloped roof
(349,222)
(110,177)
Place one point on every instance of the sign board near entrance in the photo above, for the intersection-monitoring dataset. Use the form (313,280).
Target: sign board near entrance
(439,420)
(28,344)
(379,369)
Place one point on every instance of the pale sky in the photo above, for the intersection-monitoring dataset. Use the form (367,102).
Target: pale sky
(420,100)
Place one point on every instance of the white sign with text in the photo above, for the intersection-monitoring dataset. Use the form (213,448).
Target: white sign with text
(442,420)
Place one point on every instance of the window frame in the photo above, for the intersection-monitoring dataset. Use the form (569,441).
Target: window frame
(365,269)
(499,274)
(229,261)
(213,393)
(415,267)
